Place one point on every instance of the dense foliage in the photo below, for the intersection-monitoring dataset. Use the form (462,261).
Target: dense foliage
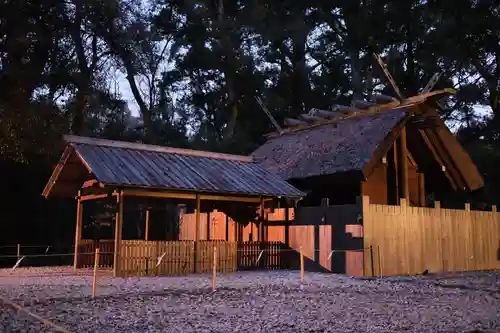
(194,68)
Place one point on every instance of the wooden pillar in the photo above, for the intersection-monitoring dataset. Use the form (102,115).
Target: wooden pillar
(421,190)
(118,234)
(146,233)
(198,217)
(403,165)
(198,232)
(287,225)
(262,215)
(78,231)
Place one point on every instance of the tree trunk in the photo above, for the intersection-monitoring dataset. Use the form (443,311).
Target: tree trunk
(301,89)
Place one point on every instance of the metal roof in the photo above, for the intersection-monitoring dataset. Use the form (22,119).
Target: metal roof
(128,164)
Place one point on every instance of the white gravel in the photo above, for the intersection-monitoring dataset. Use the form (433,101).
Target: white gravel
(258,302)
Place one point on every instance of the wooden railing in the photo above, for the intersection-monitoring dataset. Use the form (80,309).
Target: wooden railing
(142,258)
(262,255)
(86,250)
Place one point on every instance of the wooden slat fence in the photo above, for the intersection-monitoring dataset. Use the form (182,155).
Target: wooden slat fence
(226,256)
(86,250)
(140,258)
(408,240)
(274,255)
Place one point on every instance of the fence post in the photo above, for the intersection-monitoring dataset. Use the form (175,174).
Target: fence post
(94,279)
(372,261)
(214,268)
(18,251)
(301,265)
(379,261)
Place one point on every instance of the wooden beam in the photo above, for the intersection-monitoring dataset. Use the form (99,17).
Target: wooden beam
(92,183)
(310,118)
(261,218)
(396,170)
(294,122)
(403,165)
(118,235)
(421,189)
(57,171)
(197,232)
(344,109)
(363,104)
(432,82)
(325,113)
(198,216)
(189,196)
(388,75)
(78,231)
(146,232)
(380,99)
(438,158)
(94,196)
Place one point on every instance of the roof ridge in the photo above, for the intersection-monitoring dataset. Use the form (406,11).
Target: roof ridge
(154,148)
(356,112)
(295,130)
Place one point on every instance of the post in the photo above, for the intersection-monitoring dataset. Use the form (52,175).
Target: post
(372,261)
(301,265)
(403,165)
(96,265)
(379,261)
(146,233)
(260,230)
(421,189)
(118,235)
(214,268)
(18,252)
(197,232)
(78,231)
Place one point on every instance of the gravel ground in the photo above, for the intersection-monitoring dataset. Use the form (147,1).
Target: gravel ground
(13,322)
(258,302)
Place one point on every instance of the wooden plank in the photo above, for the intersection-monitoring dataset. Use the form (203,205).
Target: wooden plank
(388,76)
(78,230)
(146,232)
(118,235)
(191,196)
(403,165)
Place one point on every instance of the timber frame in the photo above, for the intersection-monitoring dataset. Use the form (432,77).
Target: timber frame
(97,192)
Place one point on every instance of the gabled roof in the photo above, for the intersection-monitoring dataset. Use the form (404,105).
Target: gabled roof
(341,146)
(124,164)
(356,142)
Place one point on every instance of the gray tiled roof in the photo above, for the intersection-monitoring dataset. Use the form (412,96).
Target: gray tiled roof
(128,164)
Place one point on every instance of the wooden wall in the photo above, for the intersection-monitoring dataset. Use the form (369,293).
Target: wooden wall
(315,230)
(408,240)
(376,185)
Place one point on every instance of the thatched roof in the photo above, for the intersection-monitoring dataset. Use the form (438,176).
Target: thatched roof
(354,139)
(340,146)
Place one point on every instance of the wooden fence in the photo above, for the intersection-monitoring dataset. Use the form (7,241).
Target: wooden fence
(264,255)
(408,240)
(86,250)
(141,258)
